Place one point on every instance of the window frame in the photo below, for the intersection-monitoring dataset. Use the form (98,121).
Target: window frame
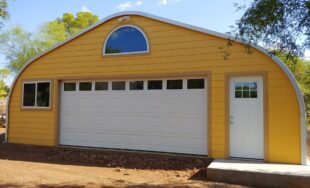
(126,53)
(36,91)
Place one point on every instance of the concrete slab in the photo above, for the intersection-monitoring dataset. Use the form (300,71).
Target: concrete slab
(259,174)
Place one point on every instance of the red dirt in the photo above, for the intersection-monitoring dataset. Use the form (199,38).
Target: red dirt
(39,166)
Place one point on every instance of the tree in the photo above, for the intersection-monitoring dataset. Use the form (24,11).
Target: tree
(19,46)
(3,11)
(4,89)
(283,27)
(279,25)
(75,24)
(58,30)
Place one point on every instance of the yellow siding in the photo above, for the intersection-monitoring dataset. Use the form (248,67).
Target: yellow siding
(172,50)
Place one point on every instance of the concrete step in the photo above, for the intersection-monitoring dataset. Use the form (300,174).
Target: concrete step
(259,174)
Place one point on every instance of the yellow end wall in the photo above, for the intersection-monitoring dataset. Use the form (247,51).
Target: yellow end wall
(172,50)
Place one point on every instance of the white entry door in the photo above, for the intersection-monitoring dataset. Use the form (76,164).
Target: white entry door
(167,115)
(246,117)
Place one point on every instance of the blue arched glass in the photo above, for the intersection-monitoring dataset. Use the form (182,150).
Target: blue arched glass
(126,40)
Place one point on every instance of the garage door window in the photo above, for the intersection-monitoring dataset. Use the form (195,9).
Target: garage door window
(85,86)
(69,86)
(154,84)
(136,85)
(101,86)
(118,85)
(195,84)
(174,84)
(36,94)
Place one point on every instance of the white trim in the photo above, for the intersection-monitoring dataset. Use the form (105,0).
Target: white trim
(35,95)
(126,53)
(289,74)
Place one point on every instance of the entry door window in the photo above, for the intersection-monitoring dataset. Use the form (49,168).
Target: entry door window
(246,90)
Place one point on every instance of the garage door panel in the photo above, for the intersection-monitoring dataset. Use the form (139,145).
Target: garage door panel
(156,120)
(144,125)
(138,142)
(134,131)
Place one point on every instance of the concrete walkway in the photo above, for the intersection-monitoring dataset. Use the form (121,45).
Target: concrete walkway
(259,174)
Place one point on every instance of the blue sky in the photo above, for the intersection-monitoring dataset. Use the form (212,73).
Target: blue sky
(214,15)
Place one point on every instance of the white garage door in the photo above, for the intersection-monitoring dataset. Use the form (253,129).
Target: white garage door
(154,114)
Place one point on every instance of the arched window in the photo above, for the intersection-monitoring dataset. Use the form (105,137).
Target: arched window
(126,39)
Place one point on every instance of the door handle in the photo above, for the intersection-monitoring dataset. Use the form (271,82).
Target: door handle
(231,120)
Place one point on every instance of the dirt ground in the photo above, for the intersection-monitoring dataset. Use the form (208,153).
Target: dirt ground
(44,167)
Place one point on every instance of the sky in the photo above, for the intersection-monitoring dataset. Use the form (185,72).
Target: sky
(216,15)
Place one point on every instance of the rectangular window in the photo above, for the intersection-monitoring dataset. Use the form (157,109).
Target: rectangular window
(70,86)
(246,90)
(118,85)
(238,90)
(100,86)
(174,84)
(253,90)
(136,85)
(154,84)
(195,83)
(43,94)
(36,94)
(29,94)
(85,86)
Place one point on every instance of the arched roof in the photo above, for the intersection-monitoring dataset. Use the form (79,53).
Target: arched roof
(289,74)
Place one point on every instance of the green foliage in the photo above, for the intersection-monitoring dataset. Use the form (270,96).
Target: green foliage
(58,30)
(281,25)
(52,32)
(19,46)
(3,11)
(4,89)
(75,24)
